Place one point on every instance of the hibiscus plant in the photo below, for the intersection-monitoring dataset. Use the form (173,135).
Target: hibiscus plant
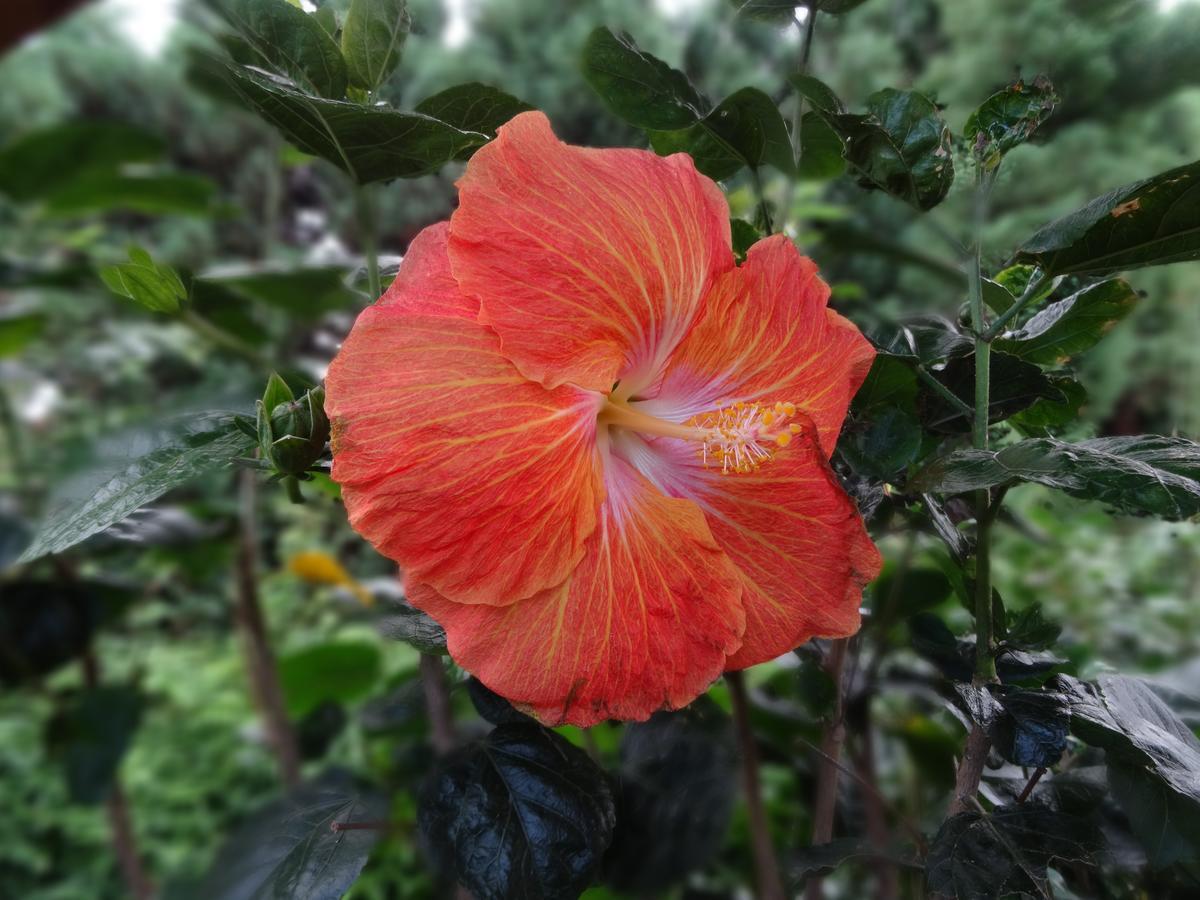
(624,446)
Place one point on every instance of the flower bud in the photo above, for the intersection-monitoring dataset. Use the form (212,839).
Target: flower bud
(292,435)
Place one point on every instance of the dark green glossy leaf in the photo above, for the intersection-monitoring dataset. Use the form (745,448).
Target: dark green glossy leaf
(90,735)
(1148,223)
(638,87)
(925,339)
(142,280)
(745,129)
(368,143)
(675,791)
(1016,385)
(1029,629)
(1166,823)
(820,150)
(289,849)
(492,707)
(291,42)
(154,194)
(276,394)
(183,450)
(45,161)
(882,443)
(1140,475)
(472,107)
(955,657)
(413,627)
(1005,854)
(1008,118)
(898,594)
(901,146)
(1068,327)
(1046,415)
(373,40)
(520,814)
(996,296)
(341,671)
(17,331)
(889,383)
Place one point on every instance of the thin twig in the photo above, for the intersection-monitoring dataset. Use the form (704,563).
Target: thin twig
(1036,283)
(1031,784)
(260,660)
(945,393)
(832,738)
(437,700)
(766,867)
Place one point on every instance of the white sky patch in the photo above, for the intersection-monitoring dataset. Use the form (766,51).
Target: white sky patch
(147,23)
(458,22)
(1168,5)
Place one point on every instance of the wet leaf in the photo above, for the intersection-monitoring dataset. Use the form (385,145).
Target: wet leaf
(1139,475)
(1008,119)
(520,814)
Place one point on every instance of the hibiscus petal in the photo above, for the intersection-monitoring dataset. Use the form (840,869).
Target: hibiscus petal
(766,335)
(591,264)
(645,622)
(473,478)
(797,539)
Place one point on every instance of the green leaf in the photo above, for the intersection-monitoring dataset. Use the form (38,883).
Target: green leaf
(1066,328)
(373,40)
(925,339)
(277,393)
(676,786)
(1148,223)
(901,146)
(492,707)
(18,330)
(291,42)
(368,143)
(1008,119)
(1006,854)
(413,627)
(154,194)
(744,236)
(473,107)
(890,382)
(44,161)
(1140,475)
(522,813)
(638,87)
(1165,822)
(746,129)
(1029,630)
(1047,415)
(46,624)
(289,849)
(1016,385)
(142,280)
(997,297)
(184,450)
(882,443)
(341,671)
(821,150)
(301,292)
(90,736)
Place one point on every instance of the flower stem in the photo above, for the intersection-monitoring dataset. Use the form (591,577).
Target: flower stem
(766,867)
(364,203)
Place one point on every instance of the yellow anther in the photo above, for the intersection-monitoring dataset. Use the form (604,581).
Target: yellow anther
(768,417)
(783,438)
(789,409)
(795,428)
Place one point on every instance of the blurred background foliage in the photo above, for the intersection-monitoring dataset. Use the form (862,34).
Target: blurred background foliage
(83,371)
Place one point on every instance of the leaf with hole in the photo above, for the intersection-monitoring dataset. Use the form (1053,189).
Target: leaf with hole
(1151,222)
(1008,119)
(519,814)
(1139,475)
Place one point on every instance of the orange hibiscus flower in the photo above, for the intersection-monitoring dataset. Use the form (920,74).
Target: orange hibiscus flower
(596,446)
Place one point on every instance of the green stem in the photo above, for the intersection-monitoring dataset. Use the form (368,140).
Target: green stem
(807,29)
(364,202)
(764,210)
(1031,290)
(985,663)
